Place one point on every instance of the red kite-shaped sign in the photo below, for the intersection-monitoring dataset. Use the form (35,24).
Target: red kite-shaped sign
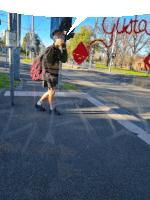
(81,53)
(147,62)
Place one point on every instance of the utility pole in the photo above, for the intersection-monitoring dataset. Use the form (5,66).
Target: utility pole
(11,64)
(30,44)
(26,51)
(33,53)
(114,41)
(16,27)
(15,54)
(6,58)
(60,67)
(92,50)
(17,72)
(112,50)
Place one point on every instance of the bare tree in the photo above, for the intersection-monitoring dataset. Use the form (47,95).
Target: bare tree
(127,45)
(136,42)
(147,47)
(122,49)
(106,37)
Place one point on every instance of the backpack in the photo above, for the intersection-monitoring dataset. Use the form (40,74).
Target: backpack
(37,71)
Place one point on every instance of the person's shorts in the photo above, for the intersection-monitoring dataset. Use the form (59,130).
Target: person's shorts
(51,84)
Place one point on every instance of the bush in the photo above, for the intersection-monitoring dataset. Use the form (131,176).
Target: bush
(94,59)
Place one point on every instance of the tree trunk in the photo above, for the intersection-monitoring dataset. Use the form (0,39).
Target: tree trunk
(148,72)
(107,62)
(131,61)
(120,64)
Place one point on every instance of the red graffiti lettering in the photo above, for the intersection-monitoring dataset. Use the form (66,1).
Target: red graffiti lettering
(124,29)
(80,53)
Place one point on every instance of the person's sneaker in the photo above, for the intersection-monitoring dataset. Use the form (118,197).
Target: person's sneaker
(39,107)
(54,111)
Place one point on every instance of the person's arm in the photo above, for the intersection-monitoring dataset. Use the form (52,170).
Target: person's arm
(63,54)
(47,58)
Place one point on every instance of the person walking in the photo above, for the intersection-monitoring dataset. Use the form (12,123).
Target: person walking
(51,64)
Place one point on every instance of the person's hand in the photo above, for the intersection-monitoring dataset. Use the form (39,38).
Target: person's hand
(61,49)
(64,45)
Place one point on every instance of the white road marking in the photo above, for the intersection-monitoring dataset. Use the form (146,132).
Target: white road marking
(119,118)
(123,121)
(57,94)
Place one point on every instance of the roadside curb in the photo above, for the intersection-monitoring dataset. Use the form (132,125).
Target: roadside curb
(127,79)
(97,69)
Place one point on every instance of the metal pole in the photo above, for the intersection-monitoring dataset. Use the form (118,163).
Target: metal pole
(17,30)
(60,67)
(92,53)
(59,75)
(11,66)
(6,59)
(18,49)
(30,44)
(33,36)
(26,52)
(112,51)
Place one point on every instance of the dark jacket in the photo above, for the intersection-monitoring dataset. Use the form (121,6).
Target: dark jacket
(51,61)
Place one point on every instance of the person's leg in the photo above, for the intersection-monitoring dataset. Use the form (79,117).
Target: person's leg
(51,96)
(45,96)
(51,102)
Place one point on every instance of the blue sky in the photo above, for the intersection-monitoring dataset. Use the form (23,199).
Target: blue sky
(42,28)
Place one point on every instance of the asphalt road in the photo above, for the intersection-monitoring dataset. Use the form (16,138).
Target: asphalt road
(87,153)
(132,98)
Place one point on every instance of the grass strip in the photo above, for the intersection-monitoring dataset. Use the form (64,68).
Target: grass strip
(130,72)
(68,86)
(27,60)
(5,81)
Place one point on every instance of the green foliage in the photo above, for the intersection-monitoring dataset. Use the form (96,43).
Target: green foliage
(2,42)
(85,35)
(95,59)
(22,51)
(38,49)
(25,41)
(97,45)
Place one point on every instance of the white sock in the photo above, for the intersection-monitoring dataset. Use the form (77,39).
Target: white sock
(39,103)
(52,107)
